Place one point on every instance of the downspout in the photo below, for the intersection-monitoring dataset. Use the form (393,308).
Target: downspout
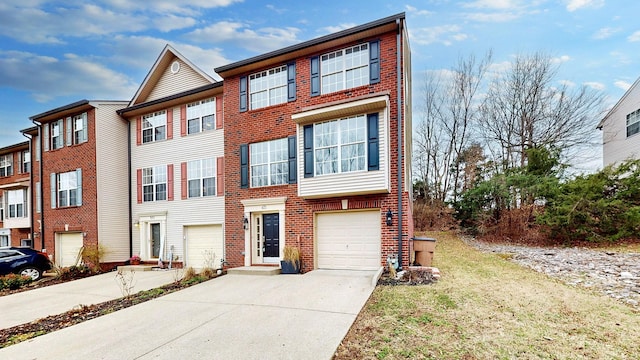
(129,188)
(40,169)
(399,165)
(31,201)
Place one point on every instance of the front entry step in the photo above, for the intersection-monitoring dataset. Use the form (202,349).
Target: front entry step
(255,270)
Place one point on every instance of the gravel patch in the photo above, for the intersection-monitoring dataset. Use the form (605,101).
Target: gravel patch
(614,274)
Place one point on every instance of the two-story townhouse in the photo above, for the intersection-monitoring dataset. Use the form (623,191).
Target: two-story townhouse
(82,181)
(15,212)
(318,150)
(621,128)
(176,150)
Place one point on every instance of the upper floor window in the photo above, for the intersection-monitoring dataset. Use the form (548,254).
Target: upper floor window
(269,163)
(1,207)
(154,183)
(68,186)
(268,87)
(79,128)
(4,241)
(17,204)
(340,145)
(6,165)
(154,126)
(201,178)
(633,123)
(56,135)
(201,116)
(26,161)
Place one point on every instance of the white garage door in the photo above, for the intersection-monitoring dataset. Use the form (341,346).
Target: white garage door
(68,246)
(349,240)
(204,246)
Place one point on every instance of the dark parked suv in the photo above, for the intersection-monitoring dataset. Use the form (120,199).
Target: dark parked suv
(23,261)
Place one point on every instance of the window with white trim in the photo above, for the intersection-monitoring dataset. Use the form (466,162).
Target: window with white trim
(154,183)
(269,163)
(268,87)
(56,135)
(6,165)
(633,123)
(17,204)
(201,178)
(68,189)
(345,68)
(1,208)
(154,126)
(26,161)
(79,132)
(4,241)
(201,116)
(340,145)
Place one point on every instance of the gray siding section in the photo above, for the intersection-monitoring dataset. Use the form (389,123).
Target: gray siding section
(617,147)
(179,213)
(183,80)
(111,182)
(357,183)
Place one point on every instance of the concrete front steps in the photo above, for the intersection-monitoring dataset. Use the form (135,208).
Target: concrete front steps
(255,270)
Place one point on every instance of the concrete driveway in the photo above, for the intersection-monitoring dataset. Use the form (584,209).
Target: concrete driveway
(232,317)
(35,304)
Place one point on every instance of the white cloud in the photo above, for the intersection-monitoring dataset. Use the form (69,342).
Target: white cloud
(492,4)
(634,37)
(413,10)
(567,83)
(258,40)
(605,33)
(336,28)
(46,77)
(573,5)
(445,34)
(561,59)
(595,85)
(182,7)
(621,84)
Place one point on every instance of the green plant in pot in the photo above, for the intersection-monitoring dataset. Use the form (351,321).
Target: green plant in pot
(290,263)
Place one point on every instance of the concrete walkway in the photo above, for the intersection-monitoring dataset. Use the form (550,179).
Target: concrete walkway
(231,317)
(35,304)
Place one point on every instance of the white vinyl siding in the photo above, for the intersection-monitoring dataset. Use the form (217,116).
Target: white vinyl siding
(170,84)
(617,146)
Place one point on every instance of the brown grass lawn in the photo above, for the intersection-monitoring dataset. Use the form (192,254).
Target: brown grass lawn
(485,307)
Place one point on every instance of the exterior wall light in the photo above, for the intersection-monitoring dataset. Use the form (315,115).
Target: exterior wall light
(245,223)
(389,218)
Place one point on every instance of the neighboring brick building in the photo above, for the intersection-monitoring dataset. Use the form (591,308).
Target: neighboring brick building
(82,156)
(15,213)
(314,154)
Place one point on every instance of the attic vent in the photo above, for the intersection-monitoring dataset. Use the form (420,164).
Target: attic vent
(175,67)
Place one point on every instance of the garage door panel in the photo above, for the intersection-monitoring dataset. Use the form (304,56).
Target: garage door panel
(204,241)
(69,245)
(348,240)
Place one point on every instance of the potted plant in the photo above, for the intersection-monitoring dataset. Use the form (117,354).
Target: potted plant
(135,260)
(290,263)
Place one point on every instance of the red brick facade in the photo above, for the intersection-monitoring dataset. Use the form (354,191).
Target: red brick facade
(275,122)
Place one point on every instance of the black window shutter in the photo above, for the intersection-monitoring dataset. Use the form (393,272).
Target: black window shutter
(293,173)
(291,82)
(373,143)
(374,62)
(315,76)
(308,151)
(244,166)
(243,93)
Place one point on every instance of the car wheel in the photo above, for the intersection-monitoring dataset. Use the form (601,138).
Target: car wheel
(33,272)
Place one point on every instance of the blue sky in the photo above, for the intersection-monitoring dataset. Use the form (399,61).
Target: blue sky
(53,53)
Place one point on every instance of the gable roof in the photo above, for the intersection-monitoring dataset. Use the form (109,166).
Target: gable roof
(622,100)
(369,29)
(155,73)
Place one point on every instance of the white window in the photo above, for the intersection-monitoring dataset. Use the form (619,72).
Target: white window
(340,145)
(26,243)
(201,178)
(154,183)
(79,122)
(345,69)
(1,208)
(633,123)
(154,126)
(56,135)
(269,163)
(17,204)
(4,240)
(201,116)
(68,189)
(268,87)
(6,165)
(26,161)
(38,197)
